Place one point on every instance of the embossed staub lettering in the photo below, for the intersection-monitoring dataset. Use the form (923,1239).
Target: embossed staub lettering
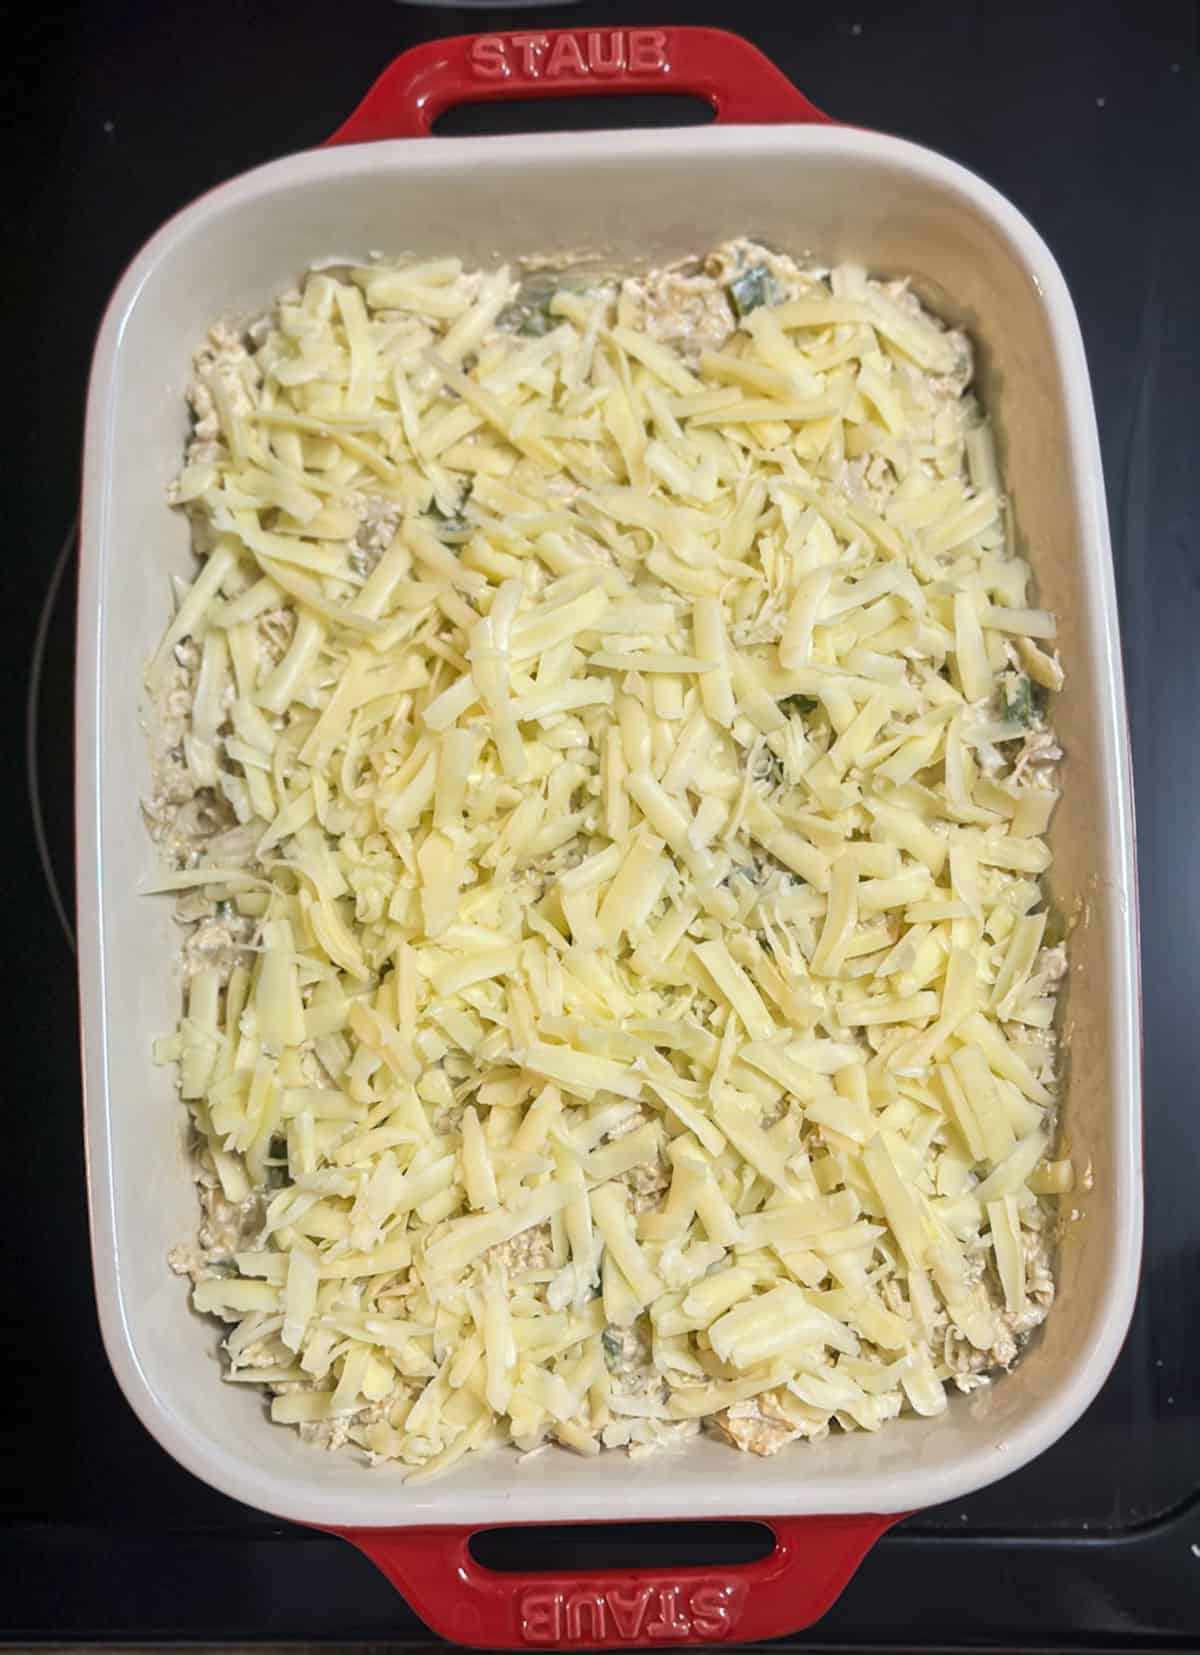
(566,58)
(714,1609)
(487,57)
(541,1616)
(586,1618)
(530,47)
(606,51)
(569,55)
(647,50)
(628,1608)
(661,1612)
(669,1622)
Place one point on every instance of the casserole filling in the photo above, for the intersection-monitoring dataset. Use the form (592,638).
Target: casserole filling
(603,767)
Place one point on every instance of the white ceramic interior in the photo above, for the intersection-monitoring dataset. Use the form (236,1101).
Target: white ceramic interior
(839,194)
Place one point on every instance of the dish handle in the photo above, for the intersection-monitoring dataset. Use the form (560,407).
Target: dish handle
(742,85)
(460,1599)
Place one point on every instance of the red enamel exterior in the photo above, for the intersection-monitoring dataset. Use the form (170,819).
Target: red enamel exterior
(813,1557)
(729,73)
(793,1586)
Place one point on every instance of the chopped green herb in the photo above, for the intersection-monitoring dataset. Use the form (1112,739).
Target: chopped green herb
(612,1345)
(1017,702)
(530,314)
(754,287)
(452,525)
(768,768)
(536,323)
(798,706)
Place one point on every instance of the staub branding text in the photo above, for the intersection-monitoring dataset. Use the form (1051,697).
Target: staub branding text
(658,1613)
(600,54)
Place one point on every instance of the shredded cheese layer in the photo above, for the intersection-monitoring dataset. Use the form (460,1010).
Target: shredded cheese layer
(605,775)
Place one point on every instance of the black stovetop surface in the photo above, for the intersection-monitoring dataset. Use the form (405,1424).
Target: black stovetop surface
(121,112)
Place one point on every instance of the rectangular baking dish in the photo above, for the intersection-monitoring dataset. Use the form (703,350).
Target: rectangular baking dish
(774,167)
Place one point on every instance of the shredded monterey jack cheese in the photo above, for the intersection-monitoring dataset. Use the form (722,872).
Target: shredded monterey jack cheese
(603,772)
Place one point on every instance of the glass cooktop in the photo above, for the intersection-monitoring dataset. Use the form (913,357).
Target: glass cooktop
(135,111)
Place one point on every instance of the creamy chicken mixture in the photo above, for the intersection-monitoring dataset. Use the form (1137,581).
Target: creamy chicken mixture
(602,761)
